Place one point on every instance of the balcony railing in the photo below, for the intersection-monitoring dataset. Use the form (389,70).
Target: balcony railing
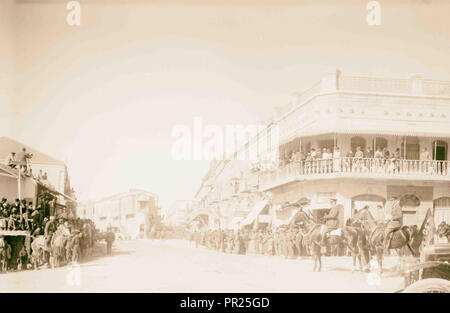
(356,167)
(249,182)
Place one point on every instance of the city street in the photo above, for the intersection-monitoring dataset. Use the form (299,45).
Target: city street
(174,266)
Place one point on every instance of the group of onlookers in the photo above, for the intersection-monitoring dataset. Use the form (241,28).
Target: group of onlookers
(361,160)
(21,215)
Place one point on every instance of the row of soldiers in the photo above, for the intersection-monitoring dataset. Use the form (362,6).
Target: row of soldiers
(284,241)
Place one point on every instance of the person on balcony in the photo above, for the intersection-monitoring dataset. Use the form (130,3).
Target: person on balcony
(336,159)
(357,164)
(348,161)
(368,153)
(386,153)
(396,160)
(326,157)
(425,159)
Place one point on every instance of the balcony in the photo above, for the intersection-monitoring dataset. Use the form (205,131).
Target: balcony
(249,183)
(356,168)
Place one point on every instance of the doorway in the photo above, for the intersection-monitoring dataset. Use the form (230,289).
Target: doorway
(440,150)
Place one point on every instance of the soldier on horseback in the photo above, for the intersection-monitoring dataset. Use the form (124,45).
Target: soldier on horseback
(331,219)
(395,222)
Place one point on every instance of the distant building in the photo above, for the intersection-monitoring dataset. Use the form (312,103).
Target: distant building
(132,213)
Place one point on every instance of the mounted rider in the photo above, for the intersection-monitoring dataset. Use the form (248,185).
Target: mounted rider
(331,219)
(395,221)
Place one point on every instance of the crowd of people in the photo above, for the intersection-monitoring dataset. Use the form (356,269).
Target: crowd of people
(285,241)
(326,160)
(21,215)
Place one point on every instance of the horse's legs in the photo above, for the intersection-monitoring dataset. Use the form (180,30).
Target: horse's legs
(315,262)
(380,258)
(319,257)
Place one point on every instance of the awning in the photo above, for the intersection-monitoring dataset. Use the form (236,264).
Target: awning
(5,170)
(257,208)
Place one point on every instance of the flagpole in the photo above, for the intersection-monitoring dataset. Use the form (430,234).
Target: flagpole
(19,193)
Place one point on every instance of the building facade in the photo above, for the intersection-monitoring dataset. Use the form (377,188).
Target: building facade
(373,138)
(57,180)
(131,213)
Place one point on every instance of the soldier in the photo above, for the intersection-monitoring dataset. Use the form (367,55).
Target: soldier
(49,230)
(331,219)
(395,222)
(109,241)
(298,243)
(276,243)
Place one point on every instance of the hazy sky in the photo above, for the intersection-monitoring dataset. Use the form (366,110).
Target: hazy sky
(105,95)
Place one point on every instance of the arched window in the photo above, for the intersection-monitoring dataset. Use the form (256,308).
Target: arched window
(409,201)
(440,150)
(358,142)
(441,210)
(381,143)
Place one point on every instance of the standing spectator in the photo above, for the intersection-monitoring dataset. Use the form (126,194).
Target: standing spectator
(109,241)
(378,153)
(425,160)
(368,153)
(336,160)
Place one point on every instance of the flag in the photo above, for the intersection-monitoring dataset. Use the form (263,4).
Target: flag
(426,231)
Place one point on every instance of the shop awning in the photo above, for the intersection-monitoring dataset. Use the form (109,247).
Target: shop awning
(256,210)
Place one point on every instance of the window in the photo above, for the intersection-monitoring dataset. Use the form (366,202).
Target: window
(358,142)
(381,143)
(327,144)
(412,148)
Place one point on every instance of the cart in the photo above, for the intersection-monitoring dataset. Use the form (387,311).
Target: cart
(17,239)
(430,273)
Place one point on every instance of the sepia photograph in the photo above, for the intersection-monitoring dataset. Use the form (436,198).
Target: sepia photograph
(224,147)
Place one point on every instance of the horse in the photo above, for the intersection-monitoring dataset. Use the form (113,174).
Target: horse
(38,248)
(443,230)
(350,236)
(375,232)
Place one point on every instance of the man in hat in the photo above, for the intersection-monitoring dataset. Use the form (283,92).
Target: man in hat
(331,219)
(395,221)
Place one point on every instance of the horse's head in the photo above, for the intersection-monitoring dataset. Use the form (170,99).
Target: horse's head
(363,215)
(300,218)
(443,229)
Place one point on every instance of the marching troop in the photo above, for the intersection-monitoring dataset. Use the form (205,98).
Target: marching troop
(284,241)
